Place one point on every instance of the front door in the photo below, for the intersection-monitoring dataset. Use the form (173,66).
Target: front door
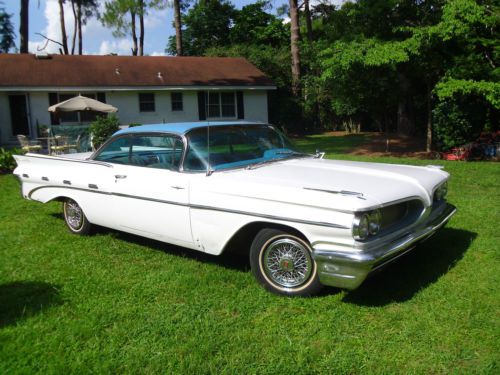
(19,115)
(150,195)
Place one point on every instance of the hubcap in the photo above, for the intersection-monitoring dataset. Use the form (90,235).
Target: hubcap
(287,262)
(74,215)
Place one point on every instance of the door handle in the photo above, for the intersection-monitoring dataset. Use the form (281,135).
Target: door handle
(177,187)
(120,176)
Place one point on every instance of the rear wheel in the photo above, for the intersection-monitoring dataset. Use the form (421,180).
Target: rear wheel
(282,262)
(75,218)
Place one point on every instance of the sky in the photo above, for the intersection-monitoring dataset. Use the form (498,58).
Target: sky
(98,40)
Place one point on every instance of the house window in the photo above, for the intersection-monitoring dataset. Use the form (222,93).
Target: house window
(147,102)
(176,99)
(221,104)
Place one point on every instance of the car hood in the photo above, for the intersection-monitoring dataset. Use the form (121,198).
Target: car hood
(338,185)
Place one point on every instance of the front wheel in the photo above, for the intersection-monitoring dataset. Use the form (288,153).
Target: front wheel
(283,263)
(75,218)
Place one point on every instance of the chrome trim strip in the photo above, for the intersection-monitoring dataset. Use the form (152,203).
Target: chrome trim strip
(342,192)
(65,187)
(271,217)
(199,207)
(86,161)
(385,204)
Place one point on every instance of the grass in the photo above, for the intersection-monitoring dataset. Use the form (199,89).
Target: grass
(116,303)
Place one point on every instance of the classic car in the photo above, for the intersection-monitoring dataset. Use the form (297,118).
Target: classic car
(304,221)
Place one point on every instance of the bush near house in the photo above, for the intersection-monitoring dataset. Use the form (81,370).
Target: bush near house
(103,128)
(7,162)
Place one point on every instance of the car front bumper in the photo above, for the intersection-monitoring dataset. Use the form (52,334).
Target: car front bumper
(348,269)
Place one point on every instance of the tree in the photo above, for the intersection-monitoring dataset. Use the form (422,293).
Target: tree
(207,25)
(82,11)
(64,38)
(122,16)
(433,43)
(253,25)
(178,27)
(24,26)
(6,31)
(294,46)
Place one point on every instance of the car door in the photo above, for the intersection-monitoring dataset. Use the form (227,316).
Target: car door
(151,196)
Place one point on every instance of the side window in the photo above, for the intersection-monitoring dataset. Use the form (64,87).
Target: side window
(116,152)
(156,151)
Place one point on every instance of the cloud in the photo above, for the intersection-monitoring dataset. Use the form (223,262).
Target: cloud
(118,46)
(97,39)
(53,28)
(157,53)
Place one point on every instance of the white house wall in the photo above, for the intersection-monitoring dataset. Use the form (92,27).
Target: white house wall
(255,103)
(39,102)
(128,108)
(127,102)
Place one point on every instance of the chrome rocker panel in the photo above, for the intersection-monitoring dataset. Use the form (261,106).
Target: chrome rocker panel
(348,269)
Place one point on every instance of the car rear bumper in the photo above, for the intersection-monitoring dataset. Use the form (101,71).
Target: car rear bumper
(348,269)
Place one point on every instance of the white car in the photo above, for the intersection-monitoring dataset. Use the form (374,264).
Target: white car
(306,221)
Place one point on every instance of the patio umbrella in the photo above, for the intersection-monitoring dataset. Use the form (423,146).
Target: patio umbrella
(82,103)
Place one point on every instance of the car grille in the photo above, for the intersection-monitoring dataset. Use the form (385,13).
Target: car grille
(400,215)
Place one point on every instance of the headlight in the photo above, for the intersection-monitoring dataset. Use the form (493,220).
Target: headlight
(441,192)
(361,227)
(374,222)
(366,224)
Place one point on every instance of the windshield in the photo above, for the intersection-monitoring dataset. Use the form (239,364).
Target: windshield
(235,146)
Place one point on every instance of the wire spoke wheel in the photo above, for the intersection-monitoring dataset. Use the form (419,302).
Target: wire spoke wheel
(287,263)
(75,217)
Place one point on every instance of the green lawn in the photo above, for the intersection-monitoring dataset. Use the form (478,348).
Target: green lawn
(116,303)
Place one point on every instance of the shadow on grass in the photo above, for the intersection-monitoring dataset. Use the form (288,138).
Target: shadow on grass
(401,280)
(231,258)
(22,299)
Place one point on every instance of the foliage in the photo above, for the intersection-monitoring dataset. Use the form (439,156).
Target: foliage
(207,24)
(489,90)
(102,128)
(459,120)
(117,303)
(7,34)
(7,161)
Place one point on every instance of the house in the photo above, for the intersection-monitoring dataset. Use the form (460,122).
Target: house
(145,89)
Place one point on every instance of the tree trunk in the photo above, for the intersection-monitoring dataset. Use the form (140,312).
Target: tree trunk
(23,28)
(406,125)
(75,26)
(428,147)
(141,27)
(64,38)
(294,47)
(134,35)
(178,27)
(80,38)
(307,14)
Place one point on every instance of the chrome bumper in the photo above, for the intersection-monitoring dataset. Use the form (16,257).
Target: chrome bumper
(348,269)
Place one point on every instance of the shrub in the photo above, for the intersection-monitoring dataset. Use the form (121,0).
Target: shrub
(458,121)
(7,161)
(103,128)
(134,124)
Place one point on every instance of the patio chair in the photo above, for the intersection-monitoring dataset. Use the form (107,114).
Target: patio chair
(28,145)
(61,145)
